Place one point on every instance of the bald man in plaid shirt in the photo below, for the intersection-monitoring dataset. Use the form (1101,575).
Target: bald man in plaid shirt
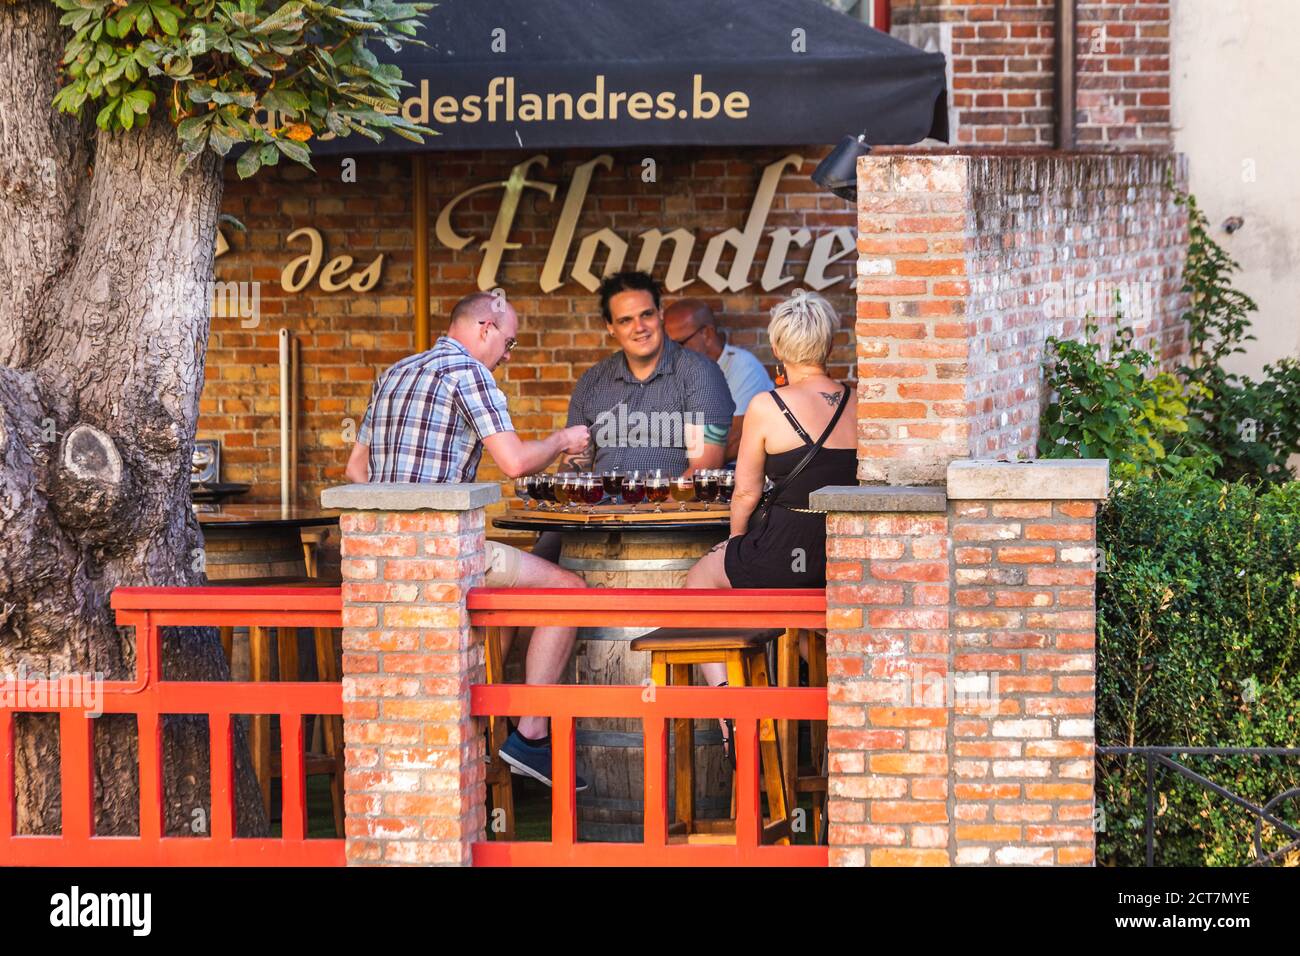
(429,419)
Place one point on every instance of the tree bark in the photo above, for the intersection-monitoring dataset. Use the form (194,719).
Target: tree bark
(106,256)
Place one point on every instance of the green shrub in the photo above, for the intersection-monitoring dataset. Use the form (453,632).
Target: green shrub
(1203,421)
(1198,627)
(1105,404)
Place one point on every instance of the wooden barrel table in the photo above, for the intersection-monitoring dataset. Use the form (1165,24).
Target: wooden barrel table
(609,751)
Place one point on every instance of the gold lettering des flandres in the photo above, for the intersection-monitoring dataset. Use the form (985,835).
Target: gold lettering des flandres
(743,243)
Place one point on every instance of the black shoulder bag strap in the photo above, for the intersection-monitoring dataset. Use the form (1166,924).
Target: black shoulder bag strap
(765,505)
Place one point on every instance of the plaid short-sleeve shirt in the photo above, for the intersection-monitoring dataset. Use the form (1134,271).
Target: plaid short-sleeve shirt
(429,414)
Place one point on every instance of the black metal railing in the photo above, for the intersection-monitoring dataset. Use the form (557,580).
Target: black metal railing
(1164,757)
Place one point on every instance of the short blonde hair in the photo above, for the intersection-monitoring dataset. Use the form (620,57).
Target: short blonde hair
(802,330)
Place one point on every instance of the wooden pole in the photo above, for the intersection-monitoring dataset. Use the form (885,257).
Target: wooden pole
(420,227)
(284,420)
(295,363)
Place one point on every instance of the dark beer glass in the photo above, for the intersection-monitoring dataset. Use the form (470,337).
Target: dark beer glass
(612,481)
(726,485)
(634,489)
(706,485)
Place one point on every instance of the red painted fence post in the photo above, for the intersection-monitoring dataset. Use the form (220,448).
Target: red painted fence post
(414,785)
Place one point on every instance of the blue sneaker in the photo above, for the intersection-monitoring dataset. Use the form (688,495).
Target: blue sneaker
(530,761)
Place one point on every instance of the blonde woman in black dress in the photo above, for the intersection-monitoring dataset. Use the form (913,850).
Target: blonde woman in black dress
(787,549)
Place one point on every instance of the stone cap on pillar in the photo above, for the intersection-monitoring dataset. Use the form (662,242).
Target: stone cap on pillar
(411,496)
(878,498)
(1040,480)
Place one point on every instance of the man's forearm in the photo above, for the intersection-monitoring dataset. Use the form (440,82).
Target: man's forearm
(709,457)
(582,461)
(536,456)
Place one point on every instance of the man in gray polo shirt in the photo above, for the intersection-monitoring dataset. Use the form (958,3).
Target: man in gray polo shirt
(653,404)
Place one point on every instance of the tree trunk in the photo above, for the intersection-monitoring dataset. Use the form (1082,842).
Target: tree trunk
(105,260)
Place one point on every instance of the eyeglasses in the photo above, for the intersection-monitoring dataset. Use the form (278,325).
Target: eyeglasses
(691,336)
(511,342)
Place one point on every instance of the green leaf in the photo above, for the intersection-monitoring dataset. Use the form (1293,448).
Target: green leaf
(285,101)
(105,115)
(221,140)
(167,19)
(295,150)
(249,163)
(140,100)
(287,17)
(242,55)
(180,66)
(193,126)
(125,114)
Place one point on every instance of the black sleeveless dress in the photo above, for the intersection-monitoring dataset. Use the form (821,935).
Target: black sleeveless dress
(769,556)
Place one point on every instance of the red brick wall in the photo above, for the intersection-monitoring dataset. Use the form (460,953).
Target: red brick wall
(961,672)
(347,338)
(1024,622)
(1054,238)
(888,648)
(969,261)
(1124,74)
(1001,68)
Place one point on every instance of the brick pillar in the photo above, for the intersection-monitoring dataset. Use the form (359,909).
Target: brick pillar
(961,668)
(887,596)
(1023,544)
(414,784)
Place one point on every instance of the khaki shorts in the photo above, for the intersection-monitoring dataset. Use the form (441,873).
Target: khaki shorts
(502,565)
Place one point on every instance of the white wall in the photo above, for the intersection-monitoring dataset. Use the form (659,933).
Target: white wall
(1236,114)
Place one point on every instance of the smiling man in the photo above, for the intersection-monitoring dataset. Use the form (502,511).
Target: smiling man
(653,404)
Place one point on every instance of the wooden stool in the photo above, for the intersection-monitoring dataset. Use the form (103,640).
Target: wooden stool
(811,778)
(266,762)
(311,542)
(498,771)
(672,652)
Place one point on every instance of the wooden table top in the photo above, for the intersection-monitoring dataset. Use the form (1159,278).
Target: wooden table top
(604,518)
(263,516)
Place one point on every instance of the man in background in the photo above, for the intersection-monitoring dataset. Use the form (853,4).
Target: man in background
(691,324)
(429,419)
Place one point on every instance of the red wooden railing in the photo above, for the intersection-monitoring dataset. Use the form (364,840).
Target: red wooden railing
(148,698)
(649,607)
